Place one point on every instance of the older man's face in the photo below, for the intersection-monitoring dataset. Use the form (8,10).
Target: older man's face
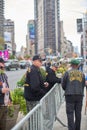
(37,63)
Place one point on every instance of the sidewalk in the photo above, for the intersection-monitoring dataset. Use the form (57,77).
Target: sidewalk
(62,116)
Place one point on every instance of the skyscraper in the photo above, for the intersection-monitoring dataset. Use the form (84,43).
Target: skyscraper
(1,18)
(47,19)
(30,39)
(9,28)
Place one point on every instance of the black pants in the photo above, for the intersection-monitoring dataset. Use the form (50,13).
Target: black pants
(73,110)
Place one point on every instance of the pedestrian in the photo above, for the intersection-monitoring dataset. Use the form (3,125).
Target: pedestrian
(73,83)
(81,66)
(51,77)
(86,93)
(34,89)
(48,65)
(5,98)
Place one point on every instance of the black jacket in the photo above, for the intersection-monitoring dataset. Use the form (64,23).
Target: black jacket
(73,82)
(35,90)
(51,78)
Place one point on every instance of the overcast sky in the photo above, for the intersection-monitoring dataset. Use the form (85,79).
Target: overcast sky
(20,11)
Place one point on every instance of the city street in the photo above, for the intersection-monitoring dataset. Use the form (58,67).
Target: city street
(14,76)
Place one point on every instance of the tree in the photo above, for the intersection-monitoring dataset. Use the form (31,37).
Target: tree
(26,56)
(1,43)
(12,57)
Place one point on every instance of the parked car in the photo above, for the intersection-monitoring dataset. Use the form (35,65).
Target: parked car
(12,63)
(23,64)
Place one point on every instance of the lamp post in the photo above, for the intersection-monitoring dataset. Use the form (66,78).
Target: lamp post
(82,23)
(84,38)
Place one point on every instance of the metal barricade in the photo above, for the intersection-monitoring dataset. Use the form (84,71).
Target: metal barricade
(32,121)
(43,115)
(50,105)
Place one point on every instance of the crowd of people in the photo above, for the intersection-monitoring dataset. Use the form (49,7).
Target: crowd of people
(72,82)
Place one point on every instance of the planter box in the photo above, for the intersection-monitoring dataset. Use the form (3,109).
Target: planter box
(6,121)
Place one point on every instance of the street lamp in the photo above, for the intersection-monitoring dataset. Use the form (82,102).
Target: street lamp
(82,23)
(84,37)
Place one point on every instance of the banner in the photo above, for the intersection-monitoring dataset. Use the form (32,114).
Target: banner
(31,31)
(4,54)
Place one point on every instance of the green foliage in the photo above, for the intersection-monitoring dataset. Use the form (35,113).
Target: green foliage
(18,98)
(12,57)
(1,47)
(26,56)
(43,73)
(21,82)
(1,40)
(11,111)
(1,43)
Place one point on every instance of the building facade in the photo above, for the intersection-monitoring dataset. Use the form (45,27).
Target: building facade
(9,34)
(47,19)
(84,37)
(1,18)
(30,38)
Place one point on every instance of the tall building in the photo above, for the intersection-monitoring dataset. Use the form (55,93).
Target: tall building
(84,37)
(1,18)
(30,38)
(47,20)
(9,33)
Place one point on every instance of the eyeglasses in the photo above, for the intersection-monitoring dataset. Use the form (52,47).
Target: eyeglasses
(1,67)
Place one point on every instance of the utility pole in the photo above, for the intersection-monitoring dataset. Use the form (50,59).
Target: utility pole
(84,38)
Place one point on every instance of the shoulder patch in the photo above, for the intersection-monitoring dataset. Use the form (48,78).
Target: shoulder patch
(29,69)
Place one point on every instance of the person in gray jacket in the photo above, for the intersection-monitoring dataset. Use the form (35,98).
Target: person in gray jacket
(73,83)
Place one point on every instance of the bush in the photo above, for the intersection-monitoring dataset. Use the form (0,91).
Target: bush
(43,73)
(21,82)
(17,96)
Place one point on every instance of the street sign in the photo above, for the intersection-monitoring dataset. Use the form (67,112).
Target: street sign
(79,25)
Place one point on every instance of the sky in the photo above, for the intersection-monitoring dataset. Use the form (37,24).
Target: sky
(20,11)
(70,12)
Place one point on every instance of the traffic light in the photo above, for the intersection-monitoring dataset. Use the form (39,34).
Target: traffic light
(79,25)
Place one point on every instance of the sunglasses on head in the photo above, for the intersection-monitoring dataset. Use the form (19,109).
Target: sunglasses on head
(1,67)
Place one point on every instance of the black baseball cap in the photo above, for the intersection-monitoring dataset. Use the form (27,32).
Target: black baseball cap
(2,60)
(37,57)
(55,65)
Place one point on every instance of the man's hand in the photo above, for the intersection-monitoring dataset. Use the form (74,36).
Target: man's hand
(46,84)
(86,82)
(5,90)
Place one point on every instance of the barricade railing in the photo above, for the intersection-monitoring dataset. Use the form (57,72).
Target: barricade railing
(43,115)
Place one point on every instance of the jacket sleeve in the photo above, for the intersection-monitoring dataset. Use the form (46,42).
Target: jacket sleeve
(51,78)
(0,89)
(64,80)
(84,80)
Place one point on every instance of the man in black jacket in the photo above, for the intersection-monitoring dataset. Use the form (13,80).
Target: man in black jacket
(34,88)
(73,83)
(51,77)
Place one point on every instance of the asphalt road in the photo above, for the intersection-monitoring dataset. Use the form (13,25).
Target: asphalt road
(14,76)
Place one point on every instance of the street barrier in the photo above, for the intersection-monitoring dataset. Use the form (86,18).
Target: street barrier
(43,115)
